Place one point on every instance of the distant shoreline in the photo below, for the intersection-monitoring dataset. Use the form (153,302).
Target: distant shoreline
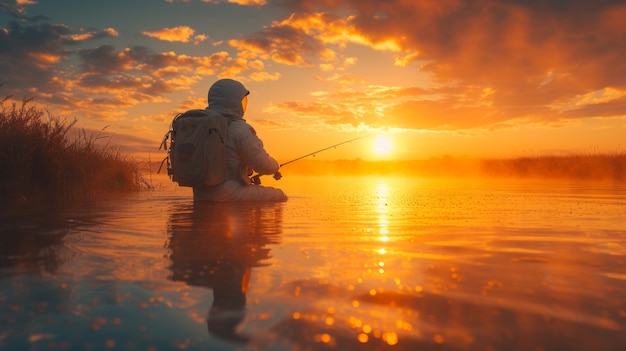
(595,167)
(583,167)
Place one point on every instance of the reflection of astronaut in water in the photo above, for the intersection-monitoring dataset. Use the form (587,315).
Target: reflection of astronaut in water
(215,245)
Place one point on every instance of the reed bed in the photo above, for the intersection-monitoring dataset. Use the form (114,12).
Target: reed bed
(40,162)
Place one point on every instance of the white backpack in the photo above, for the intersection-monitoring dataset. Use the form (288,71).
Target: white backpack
(197,149)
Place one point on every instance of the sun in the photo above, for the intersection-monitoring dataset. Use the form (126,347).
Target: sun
(382,146)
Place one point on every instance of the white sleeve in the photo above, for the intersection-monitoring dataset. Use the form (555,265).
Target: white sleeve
(253,154)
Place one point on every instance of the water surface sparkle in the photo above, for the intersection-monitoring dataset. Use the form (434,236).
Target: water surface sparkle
(346,264)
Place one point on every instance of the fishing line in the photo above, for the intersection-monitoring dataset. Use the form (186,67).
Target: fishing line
(324,149)
(257,180)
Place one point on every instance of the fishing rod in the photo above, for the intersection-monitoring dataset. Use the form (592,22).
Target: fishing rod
(320,150)
(257,178)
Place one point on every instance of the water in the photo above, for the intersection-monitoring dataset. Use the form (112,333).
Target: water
(346,264)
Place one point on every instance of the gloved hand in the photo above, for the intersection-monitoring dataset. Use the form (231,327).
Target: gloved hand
(277,175)
(256,180)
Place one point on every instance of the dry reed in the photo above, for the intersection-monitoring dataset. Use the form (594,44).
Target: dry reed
(40,162)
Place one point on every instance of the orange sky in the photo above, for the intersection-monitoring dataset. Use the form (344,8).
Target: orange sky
(474,78)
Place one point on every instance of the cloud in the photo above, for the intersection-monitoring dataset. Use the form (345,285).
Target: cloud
(262,76)
(249,2)
(84,36)
(239,2)
(200,38)
(108,80)
(29,53)
(105,59)
(116,79)
(403,108)
(534,57)
(102,81)
(303,39)
(49,60)
(476,64)
(18,12)
(183,34)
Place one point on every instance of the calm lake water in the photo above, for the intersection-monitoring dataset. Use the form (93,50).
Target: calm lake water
(350,263)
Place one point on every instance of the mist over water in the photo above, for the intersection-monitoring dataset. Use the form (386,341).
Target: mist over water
(348,263)
(579,166)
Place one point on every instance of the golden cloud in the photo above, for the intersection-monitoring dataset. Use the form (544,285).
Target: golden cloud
(238,2)
(249,2)
(44,59)
(395,107)
(263,76)
(302,39)
(200,38)
(525,60)
(177,34)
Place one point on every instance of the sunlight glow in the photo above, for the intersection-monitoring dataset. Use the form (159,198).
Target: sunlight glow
(382,146)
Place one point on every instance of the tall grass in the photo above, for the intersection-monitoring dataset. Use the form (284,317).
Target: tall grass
(39,161)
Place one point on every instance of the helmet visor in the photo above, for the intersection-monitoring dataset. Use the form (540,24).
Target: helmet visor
(244,103)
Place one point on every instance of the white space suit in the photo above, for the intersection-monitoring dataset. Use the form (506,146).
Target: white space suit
(245,151)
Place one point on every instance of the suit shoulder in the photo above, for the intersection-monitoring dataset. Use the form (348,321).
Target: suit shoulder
(243,128)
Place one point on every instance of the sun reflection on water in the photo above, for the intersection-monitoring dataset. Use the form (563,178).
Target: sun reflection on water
(382,208)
